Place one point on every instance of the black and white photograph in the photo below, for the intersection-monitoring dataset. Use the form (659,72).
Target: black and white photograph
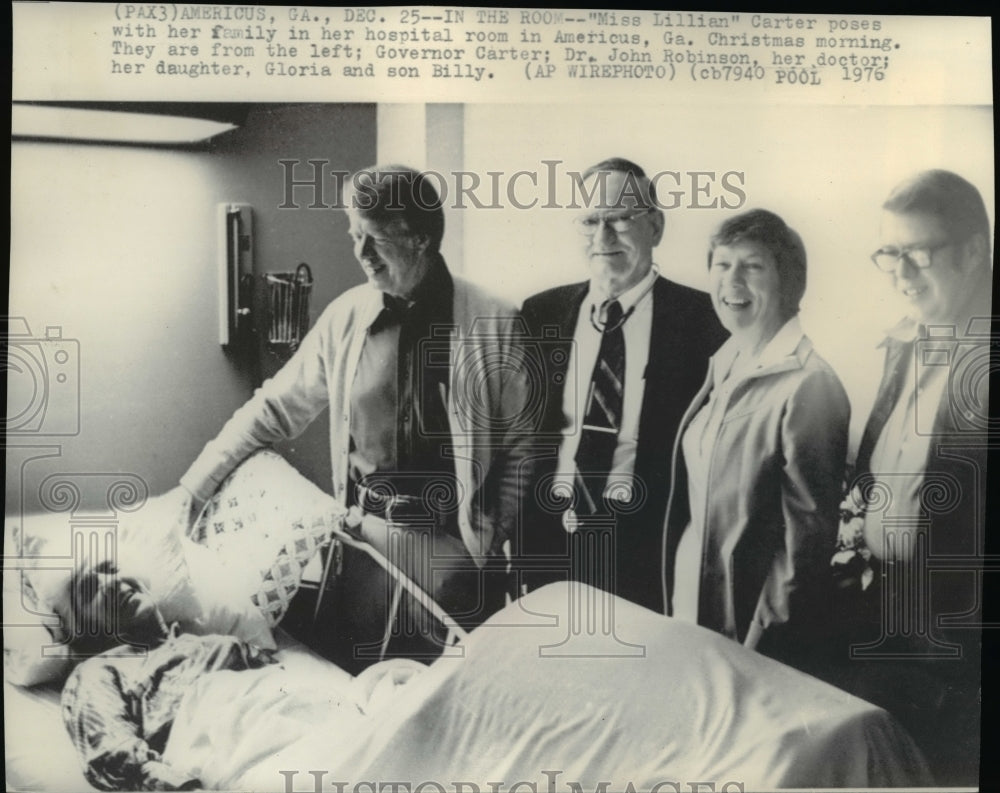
(498,400)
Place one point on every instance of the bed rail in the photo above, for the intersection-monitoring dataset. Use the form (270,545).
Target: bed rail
(401,583)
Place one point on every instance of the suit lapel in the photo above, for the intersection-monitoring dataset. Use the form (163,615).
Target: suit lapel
(575,302)
(896,360)
(659,367)
(557,365)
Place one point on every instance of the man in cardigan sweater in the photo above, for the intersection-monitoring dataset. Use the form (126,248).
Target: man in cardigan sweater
(429,419)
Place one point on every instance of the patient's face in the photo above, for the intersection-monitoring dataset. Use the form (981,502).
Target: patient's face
(109,608)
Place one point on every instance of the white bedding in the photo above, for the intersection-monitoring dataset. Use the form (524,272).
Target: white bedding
(691,706)
(38,753)
(239,730)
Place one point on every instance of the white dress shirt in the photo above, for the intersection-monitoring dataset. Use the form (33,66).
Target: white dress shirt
(587,343)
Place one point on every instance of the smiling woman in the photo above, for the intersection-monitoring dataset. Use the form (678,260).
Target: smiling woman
(745,293)
(757,274)
(759,457)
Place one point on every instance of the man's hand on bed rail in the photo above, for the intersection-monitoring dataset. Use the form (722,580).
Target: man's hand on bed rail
(363,526)
(352,522)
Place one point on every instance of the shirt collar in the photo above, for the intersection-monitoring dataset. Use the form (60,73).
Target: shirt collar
(628,299)
(978,304)
(903,332)
(433,293)
(436,286)
(783,344)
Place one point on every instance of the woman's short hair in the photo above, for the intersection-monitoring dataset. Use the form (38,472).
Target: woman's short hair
(780,240)
(391,193)
(946,196)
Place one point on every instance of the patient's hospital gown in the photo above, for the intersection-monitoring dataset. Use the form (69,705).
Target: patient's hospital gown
(119,706)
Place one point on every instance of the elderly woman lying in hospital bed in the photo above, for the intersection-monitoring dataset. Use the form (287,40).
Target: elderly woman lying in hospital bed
(531,697)
(565,687)
(120,704)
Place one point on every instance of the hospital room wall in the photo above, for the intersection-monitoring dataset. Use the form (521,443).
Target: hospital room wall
(116,246)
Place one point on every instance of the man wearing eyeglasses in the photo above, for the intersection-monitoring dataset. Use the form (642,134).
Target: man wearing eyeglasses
(919,480)
(623,354)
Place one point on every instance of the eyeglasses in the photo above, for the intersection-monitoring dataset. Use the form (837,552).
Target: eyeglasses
(590,225)
(920,256)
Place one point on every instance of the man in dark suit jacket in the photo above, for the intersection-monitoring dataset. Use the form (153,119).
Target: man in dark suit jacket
(598,507)
(920,479)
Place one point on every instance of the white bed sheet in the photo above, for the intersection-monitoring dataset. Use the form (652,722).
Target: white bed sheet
(659,702)
(39,754)
(693,706)
(246,730)
(234,727)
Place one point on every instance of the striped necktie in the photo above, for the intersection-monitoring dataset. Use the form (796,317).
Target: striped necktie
(603,416)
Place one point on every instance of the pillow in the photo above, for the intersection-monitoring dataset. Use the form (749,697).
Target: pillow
(31,654)
(200,592)
(144,543)
(23,659)
(217,601)
(257,533)
(267,522)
